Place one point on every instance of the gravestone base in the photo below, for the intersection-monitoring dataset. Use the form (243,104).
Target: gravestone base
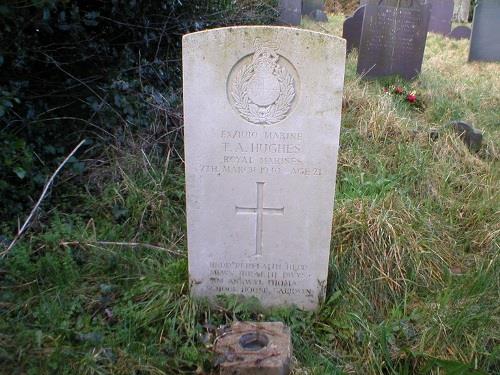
(255,349)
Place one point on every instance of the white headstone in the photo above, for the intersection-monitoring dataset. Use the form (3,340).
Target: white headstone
(261,128)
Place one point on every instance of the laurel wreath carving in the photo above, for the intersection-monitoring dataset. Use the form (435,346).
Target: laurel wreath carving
(262,115)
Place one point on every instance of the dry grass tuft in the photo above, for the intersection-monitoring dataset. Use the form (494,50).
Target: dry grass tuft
(388,248)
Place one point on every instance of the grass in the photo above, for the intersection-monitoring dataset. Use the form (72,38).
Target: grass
(414,269)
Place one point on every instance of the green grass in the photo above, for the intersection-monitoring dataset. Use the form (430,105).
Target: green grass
(414,275)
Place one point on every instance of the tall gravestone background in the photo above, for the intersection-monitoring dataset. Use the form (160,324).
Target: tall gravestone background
(290,12)
(441,15)
(261,128)
(393,38)
(485,37)
(461,11)
(351,30)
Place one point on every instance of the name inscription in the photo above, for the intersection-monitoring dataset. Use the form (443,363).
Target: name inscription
(260,152)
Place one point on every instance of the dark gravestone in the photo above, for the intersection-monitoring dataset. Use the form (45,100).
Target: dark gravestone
(393,38)
(352,29)
(485,37)
(318,16)
(460,32)
(290,12)
(441,15)
(309,6)
(315,9)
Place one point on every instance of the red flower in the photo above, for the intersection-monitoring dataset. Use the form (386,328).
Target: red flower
(411,97)
(398,90)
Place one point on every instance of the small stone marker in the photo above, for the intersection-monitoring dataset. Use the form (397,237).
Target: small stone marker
(441,15)
(351,31)
(485,37)
(255,349)
(261,127)
(460,32)
(290,12)
(461,11)
(393,38)
(472,138)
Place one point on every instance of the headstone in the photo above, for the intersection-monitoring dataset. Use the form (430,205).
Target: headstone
(248,348)
(352,29)
(290,12)
(441,14)
(485,37)
(460,32)
(261,127)
(318,16)
(393,38)
(461,11)
(309,6)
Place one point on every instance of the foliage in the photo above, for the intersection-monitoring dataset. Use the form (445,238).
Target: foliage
(74,69)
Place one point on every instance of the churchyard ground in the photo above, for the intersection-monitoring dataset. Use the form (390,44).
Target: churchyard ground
(414,273)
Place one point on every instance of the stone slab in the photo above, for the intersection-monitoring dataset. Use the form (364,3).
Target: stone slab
(393,38)
(485,37)
(351,31)
(261,129)
(260,348)
(290,12)
(460,32)
(441,15)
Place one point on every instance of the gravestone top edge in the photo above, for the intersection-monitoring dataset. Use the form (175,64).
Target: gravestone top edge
(262,27)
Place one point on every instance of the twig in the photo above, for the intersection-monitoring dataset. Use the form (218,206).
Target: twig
(129,244)
(42,196)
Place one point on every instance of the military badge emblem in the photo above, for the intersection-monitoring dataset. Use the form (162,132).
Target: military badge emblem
(263,90)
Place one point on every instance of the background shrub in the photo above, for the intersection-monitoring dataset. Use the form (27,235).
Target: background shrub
(71,69)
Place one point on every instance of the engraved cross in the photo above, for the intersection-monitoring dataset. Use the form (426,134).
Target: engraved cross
(259,211)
